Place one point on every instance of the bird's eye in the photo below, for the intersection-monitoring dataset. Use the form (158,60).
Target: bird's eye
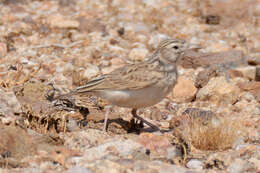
(175,47)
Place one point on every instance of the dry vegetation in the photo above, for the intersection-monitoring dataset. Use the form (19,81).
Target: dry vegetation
(214,137)
(49,47)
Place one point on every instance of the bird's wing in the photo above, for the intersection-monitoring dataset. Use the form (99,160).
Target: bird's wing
(130,77)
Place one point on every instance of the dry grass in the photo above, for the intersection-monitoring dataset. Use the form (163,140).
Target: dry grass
(220,135)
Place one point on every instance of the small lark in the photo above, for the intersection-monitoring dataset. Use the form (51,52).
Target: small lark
(139,85)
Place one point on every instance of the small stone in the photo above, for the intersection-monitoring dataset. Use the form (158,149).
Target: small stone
(238,166)
(16,142)
(154,143)
(9,103)
(91,25)
(3,49)
(184,90)
(119,147)
(218,90)
(256,9)
(224,59)
(66,2)
(248,72)
(91,71)
(195,164)
(72,125)
(257,77)
(256,162)
(204,76)
(164,124)
(212,19)
(234,73)
(138,54)
(141,38)
(173,152)
(116,49)
(77,169)
(252,87)
(254,60)
(61,22)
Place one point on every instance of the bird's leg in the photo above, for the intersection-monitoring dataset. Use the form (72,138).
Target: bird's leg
(106,118)
(143,120)
(134,121)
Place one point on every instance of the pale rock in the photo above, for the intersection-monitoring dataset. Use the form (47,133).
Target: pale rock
(78,36)
(164,124)
(57,21)
(24,61)
(155,143)
(173,152)
(9,103)
(138,45)
(122,147)
(256,10)
(115,63)
(152,3)
(159,166)
(72,125)
(91,71)
(135,27)
(3,49)
(248,72)
(256,162)
(253,87)
(247,96)
(116,49)
(238,166)
(68,67)
(218,90)
(254,59)
(138,54)
(91,52)
(106,165)
(141,28)
(195,164)
(141,38)
(77,169)
(184,90)
(59,79)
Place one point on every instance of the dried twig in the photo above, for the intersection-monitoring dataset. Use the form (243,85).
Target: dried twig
(57,45)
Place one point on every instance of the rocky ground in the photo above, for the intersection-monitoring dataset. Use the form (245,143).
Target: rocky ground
(210,122)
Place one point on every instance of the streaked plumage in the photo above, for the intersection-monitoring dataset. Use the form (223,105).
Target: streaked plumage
(139,85)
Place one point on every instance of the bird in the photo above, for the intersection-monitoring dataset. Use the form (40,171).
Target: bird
(139,85)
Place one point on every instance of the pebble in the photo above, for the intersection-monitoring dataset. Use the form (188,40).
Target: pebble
(91,71)
(238,166)
(218,90)
(61,22)
(195,164)
(184,90)
(3,49)
(9,103)
(77,169)
(173,152)
(138,54)
(248,72)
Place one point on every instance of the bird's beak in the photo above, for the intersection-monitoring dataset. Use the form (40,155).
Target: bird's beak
(193,47)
